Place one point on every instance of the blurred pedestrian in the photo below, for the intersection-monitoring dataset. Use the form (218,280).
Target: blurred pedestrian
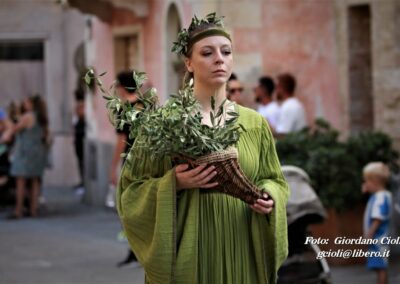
(79,137)
(6,144)
(126,89)
(30,153)
(234,89)
(14,111)
(377,217)
(292,115)
(268,107)
(6,135)
(6,128)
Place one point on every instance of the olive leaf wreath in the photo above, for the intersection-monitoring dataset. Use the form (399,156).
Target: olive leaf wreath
(181,45)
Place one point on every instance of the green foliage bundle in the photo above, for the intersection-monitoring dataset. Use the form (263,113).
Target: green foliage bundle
(335,167)
(174,129)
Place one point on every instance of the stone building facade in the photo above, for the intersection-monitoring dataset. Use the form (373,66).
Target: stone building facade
(345,55)
(41,43)
(368,42)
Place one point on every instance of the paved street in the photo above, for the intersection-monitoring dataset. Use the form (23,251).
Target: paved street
(73,243)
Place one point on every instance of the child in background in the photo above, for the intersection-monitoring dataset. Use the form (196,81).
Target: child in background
(377,215)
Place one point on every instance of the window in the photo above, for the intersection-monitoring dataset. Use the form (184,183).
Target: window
(126,52)
(21,51)
(360,68)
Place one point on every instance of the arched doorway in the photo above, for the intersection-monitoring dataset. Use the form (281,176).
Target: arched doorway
(174,63)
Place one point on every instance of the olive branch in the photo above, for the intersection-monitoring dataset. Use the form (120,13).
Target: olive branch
(176,128)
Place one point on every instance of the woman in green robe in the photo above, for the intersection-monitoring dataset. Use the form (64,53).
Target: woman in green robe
(183,231)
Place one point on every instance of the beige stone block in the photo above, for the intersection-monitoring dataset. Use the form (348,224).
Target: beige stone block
(386,80)
(392,101)
(242,14)
(202,8)
(386,57)
(248,68)
(64,170)
(390,116)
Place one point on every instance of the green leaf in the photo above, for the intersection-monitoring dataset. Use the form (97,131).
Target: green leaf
(220,110)
(233,113)
(108,98)
(98,81)
(88,79)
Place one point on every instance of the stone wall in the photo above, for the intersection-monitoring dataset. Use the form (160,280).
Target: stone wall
(385,70)
(271,37)
(60,30)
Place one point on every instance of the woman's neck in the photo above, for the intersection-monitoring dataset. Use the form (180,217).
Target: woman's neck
(204,93)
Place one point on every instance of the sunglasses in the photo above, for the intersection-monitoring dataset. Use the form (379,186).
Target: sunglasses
(234,90)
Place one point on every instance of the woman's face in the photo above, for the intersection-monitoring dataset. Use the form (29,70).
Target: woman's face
(27,104)
(211,60)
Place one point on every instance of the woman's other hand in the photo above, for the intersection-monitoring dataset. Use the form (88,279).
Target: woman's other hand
(263,206)
(199,177)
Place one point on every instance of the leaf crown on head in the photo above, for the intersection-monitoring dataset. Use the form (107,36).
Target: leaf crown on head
(209,26)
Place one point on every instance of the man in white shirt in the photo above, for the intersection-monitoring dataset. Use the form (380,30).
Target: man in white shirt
(292,116)
(267,106)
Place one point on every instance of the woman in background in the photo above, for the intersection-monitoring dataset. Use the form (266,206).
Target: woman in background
(30,153)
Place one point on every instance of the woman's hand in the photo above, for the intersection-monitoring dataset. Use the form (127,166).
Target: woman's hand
(199,177)
(263,206)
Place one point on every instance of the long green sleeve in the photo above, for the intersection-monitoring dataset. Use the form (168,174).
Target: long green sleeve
(271,179)
(145,203)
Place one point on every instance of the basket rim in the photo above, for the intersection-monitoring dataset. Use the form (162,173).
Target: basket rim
(229,153)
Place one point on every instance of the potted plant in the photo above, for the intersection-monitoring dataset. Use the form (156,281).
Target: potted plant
(335,168)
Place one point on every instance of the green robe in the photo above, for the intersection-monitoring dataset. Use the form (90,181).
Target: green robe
(200,236)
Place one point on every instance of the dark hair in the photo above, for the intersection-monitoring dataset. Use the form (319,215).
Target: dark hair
(288,82)
(125,79)
(232,77)
(79,94)
(267,84)
(40,109)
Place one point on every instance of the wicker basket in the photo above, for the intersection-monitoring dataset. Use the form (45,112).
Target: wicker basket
(230,177)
